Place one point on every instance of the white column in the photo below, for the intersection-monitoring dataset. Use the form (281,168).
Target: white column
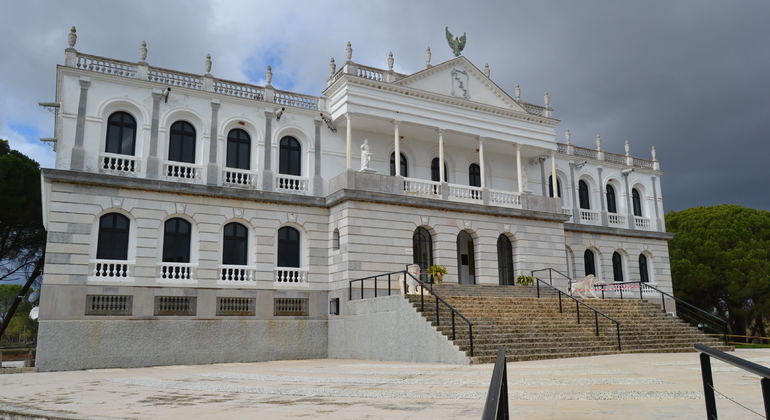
(554,180)
(481,161)
(518,167)
(349,118)
(442,175)
(397,152)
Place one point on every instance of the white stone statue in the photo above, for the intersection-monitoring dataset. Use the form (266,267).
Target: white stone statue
(654,153)
(366,155)
(143,52)
(587,285)
(598,142)
(427,57)
(627,148)
(390,61)
(486,70)
(72,38)
(207,64)
(411,286)
(518,92)
(568,136)
(269,75)
(349,51)
(332,67)
(547,99)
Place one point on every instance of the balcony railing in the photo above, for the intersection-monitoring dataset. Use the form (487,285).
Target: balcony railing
(111,270)
(464,193)
(105,65)
(232,177)
(182,172)
(590,217)
(176,272)
(290,276)
(175,78)
(291,184)
(505,198)
(295,99)
(614,219)
(239,90)
(641,222)
(422,188)
(114,164)
(236,274)
(370,73)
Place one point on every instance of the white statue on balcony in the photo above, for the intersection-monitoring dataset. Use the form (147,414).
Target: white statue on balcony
(366,156)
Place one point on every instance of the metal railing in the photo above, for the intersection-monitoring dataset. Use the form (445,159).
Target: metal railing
(708,381)
(578,303)
(423,287)
(496,406)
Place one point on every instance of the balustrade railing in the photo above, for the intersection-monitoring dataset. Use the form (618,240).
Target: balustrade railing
(236,274)
(505,198)
(641,222)
(111,270)
(643,163)
(236,306)
(109,304)
(422,188)
(613,158)
(295,99)
(175,78)
(243,178)
(589,216)
(239,90)
(464,193)
(176,272)
(582,152)
(615,219)
(115,164)
(370,73)
(176,305)
(182,172)
(291,184)
(533,109)
(291,276)
(106,66)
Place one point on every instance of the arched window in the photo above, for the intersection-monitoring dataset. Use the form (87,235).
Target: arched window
(504,260)
(637,199)
(611,205)
(336,239)
(643,268)
(474,175)
(550,186)
(235,244)
(176,240)
(113,237)
(288,247)
(422,246)
(435,173)
(181,145)
(589,261)
(617,266)
(404,169)
(238,149)
(290,160)
(583,195)
(121,134)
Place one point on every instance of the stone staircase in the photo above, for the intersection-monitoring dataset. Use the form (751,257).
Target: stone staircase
(532,328)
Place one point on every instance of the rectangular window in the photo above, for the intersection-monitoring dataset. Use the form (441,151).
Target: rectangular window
(109,304)
(290,307)
(236,306)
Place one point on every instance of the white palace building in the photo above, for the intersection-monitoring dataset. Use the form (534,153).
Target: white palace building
(221,221)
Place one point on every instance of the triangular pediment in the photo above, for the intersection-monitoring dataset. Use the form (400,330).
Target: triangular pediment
(459,78)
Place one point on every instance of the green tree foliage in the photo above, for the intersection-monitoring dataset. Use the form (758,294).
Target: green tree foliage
(22,237)
(21,328)
(720,262)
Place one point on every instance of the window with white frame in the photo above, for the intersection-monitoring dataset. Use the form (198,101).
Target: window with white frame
(181,145)
(177,235)
(238,149)
(617,266)
(121,134)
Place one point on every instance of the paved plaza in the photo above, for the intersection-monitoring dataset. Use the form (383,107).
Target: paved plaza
(627,386)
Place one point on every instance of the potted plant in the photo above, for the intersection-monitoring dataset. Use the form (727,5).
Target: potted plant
(436,273)
(525,280)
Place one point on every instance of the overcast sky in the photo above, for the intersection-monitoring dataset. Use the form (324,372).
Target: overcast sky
(689,77)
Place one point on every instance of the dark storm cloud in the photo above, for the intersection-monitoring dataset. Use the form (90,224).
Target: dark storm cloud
(689,77)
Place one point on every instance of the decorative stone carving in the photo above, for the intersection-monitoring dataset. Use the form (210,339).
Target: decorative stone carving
(238,213)
(568,136)
(587,285)
(143,52)
(366,155)
(332,67)
(292,217)
(269,75)
(518,93)
(467,224)
(117,202)
(349,52)
(507,228)
(72,38)
(427,57)
(390,61)
(207,64)
(425,220)
(460,84)
(180,207)
(486,70)
(627,148)
(654,153)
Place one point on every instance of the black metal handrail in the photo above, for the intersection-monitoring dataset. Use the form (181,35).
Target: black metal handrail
(424,286)
(496,406)
(550,275)
(690,313)
(577,308)
(708,380)
(375,277)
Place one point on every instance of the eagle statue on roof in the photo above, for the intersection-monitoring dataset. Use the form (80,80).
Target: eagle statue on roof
(456,44)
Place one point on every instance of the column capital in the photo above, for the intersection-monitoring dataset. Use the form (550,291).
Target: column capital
(396,122)
(517,146)
(269,114)
(348,116)
(215,104)
(440,131)
(156,96)
(85,82)
(480,138)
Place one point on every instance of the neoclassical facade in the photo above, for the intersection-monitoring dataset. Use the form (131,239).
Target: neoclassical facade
(197,220)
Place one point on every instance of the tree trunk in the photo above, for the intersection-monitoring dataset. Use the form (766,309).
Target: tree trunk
(35,274)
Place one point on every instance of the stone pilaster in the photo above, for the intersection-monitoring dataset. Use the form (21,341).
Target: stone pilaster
(153,163)
(602,197)
(267,174)
(212,170)
(77,159)
(318,181)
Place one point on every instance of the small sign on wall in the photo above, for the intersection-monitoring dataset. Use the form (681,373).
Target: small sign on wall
(409,251)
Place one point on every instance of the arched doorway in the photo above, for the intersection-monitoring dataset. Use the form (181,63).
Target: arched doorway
(466,267)
(422,250)
(504,260)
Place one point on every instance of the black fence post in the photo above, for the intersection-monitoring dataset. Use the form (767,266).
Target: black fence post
(596,318)
(375,286)
(617,328)
(362,288)
(350,290)
(388,284)
(577,308)
(640,291)
(560,310)
(537,283)
(438,320)
(453,325)
(766,395)
(708,387)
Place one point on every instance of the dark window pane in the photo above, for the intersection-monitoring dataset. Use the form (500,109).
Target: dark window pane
(637,199)
(288,247)
(290,159)
(583,195)
(422,247)
(588,261)
(474,175)
(238,149)
(611,205)
(505,260)
(176,241)
(550,186)
(112,243)
(645,276)
(235,245)
(617,267)
(121,134)
(404,171)
(181,146)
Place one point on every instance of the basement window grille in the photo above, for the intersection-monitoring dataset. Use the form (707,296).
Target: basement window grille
(236,306)
(334,306)
(291,307)
(176,305)
(109,304)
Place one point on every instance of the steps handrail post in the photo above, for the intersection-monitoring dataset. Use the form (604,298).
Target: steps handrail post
(621,292)
(708,386)
(561,311)
(362,288)
(577,309)
(765,383)
(453,325)
(350,291)
(596,318)
(422,297)
(438,319)
(388,284)
(375,286)
(617,328)
(537,283)
(640,291)
(470,335)
(550,276)
(603,293)
(663,299)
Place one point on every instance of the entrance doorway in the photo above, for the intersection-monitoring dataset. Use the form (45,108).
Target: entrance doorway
(466,266)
